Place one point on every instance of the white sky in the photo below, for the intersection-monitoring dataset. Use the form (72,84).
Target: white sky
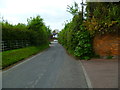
(52,11)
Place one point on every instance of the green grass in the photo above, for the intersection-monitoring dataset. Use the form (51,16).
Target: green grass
(12,56)
(0,60)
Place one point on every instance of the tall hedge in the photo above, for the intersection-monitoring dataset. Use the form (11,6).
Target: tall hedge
(76,39)
(34,33)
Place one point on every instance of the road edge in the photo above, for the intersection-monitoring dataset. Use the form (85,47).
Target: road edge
(22,61)
(86,76)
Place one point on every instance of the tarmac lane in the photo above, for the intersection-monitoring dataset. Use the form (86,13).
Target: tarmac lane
(53,68)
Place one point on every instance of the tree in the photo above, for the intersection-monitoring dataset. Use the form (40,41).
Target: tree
(35,23)
(74,9)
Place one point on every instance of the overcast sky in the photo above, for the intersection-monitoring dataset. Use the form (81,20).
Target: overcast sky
(52,11)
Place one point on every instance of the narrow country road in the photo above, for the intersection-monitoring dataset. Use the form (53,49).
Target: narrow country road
(53,68)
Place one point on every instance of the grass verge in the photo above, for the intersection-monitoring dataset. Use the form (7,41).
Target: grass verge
(12,56)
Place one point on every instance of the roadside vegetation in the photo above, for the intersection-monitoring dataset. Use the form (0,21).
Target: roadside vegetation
(21,41)
(18,36)
(77,35)
(12,56)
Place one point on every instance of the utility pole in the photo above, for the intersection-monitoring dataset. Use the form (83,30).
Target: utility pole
(82,10)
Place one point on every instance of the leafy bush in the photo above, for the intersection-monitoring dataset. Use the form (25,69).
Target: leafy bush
(76,39)
(84,48)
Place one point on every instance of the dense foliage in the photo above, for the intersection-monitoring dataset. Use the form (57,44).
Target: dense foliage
(76,39)
(34,33)
(78,34)
(83,49)
(41,32)
(103,17)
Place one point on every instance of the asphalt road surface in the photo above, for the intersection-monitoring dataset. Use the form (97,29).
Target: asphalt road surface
(53,68)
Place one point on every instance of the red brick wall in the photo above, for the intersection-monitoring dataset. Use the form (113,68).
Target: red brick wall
(106,45)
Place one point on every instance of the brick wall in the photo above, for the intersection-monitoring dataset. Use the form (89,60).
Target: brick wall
(106,45)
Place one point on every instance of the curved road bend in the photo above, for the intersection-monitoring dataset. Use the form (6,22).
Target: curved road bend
(52,68)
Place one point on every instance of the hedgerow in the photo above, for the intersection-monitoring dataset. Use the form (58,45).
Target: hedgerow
(76,39)
(35,33)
